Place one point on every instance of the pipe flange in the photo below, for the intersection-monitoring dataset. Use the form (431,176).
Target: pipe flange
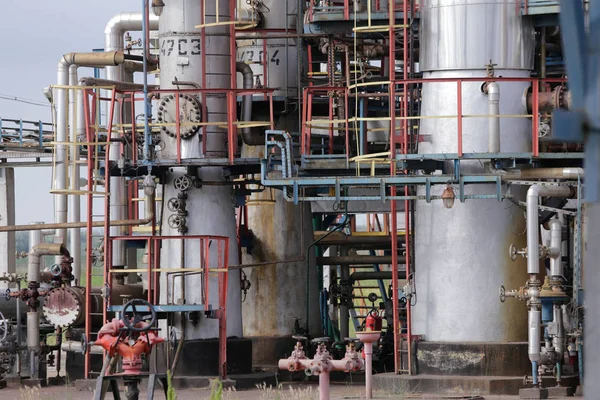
(64,306)
(189,112)
(56,270)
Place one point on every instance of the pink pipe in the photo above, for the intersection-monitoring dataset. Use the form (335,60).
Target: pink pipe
(324,386)
(322,364)
(369,369)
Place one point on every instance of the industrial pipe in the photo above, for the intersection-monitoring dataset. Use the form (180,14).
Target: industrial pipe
(371,275)
(356,260)
(125,86)
(74,346)
(248,83)
(556,268)
(39,250)
(77,126)
(62,123)
(559,98)
(342,239)
(96,224)
(114,32)
(545,173)
(533,226)
(114,41)
(493,92)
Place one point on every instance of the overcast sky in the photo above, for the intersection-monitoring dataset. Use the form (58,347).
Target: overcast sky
(34,34)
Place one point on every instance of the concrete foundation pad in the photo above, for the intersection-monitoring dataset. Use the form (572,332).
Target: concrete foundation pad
(33,382)
(560,391)
(85,385)
(57,381)
(533,393)
(13,381)
(238,381)
(444,384)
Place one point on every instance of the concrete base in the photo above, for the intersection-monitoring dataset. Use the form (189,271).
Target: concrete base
(33,382)
(266,351)
(242,381)
(560,391)
(533,393)
(467,385)
(201,357)
(472,359)
(56,381)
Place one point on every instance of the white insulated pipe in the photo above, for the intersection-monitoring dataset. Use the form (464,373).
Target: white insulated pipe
(62,123)
(559,339)
(493,92)
(74,211)
(534,317)
(33,331)
(114,41)
(533,225)
(556,268)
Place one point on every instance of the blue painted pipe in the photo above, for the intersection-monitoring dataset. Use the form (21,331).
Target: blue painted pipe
(147,105)
(534,373)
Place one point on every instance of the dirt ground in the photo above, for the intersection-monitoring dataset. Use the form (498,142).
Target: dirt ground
(296,392)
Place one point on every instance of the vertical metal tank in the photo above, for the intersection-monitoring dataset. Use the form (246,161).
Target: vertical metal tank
(462,253)
(281,54)
(277,295)
(210,207)
(280,229)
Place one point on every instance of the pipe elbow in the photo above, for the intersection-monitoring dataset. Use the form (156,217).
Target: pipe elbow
(493,91)
(124,21)
(533,191)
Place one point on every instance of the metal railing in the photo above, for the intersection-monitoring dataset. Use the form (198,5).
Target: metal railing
(19,134)
(344,125)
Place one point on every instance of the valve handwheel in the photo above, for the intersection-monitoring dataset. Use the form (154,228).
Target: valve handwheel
(512,252)
(3,327)
(183,183)
(84,344)
(321,340)
(502,293)
(132,316)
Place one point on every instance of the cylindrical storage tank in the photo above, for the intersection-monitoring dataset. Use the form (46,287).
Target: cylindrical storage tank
(277,294)
(209,207)
(280,64)
(462,252)
(181,59)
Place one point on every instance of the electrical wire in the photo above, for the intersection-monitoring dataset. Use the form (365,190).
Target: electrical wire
(23,100)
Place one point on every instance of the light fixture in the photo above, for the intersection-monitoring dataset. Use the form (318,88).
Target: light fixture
(157,7)
(448,197)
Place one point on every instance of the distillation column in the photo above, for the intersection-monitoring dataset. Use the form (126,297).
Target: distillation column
(209,207)
(280,229)
(462,252)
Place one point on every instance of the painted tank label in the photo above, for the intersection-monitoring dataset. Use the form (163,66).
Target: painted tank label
(180,46)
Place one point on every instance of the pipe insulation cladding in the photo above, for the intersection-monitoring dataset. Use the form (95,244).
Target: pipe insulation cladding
(114,41)
(209,208)
(461,253)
